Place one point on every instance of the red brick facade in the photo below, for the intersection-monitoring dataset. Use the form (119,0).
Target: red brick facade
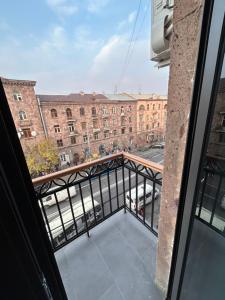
(84,125)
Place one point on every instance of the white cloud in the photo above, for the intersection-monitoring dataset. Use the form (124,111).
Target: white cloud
(130,19)
(56,40)
(95,6)
(84,40)
(63,7)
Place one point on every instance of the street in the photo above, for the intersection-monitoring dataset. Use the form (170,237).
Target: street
(115,190)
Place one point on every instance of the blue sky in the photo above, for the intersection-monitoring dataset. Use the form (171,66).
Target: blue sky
(73,45)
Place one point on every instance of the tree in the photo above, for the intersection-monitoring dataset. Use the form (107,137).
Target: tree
(42,157)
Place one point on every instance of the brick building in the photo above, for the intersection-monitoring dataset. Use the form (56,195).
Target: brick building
(25,110)
(216,148)
(84,125)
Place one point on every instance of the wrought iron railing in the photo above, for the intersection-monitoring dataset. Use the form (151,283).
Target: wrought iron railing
(75,200)
(211,197)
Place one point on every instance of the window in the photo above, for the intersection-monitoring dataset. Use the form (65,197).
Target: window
(114,122)
(83,125)
(62,157)
(153,106)
(130,129)
(129,119)
(147,127)
(158,106)
(222,138)
(71,127)
(158,124)
(26,133)
(95,124)
(122,109)
(85,138)
(223,121)
(147,106)
(82,111)
(69,113)
(73,140)
(22,115)
(54,113)
(129,108)
(147,117)
(123,130)
(57,128)
(141,107)
(104,110)
(105,123)
(123,121)
(93,111)
(106,134)
(114,110)
(59,143)
(96,136)
(114,132)
(17,96)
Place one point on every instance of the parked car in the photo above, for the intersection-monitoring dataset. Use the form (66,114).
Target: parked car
(131,196)
(158,146)
(61,196)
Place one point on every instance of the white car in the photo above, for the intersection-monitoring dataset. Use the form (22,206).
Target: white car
(61,196)
(131,196)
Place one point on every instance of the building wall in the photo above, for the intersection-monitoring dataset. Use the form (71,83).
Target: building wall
(110,117)
(151,117)
(184,50)
(28,103)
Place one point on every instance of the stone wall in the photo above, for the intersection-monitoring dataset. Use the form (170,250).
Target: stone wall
(184,51)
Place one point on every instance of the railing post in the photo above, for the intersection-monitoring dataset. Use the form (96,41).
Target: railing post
(124,197)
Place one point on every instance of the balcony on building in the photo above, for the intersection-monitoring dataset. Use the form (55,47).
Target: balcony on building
(104,243)
(25,123)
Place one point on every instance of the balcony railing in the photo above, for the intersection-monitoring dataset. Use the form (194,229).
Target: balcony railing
(75,200)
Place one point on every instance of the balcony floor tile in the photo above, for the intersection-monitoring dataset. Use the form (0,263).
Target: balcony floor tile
(117,262)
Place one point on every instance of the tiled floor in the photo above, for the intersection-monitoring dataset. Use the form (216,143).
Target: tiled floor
(117,262)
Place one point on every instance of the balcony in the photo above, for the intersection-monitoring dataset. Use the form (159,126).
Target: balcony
(102,221)
(25,123)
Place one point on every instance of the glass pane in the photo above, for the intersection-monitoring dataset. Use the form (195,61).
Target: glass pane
(205,269)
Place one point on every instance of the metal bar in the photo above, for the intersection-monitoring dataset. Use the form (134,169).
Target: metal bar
(144,202)
(85,217)
(129,175)
(202,196)
(124,198)
(100,187)
(153,204)
(92,199)
(110,199)
(136,201)
(216,200)
(117,192)
(144,175)
(60,215)
(71,207)
(47,223)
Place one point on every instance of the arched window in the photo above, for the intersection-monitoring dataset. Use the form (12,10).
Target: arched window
(54,113)
(165,106)
(82,112)
(93,111)
(141,107)
(22,115)
(69,113)
(122,109)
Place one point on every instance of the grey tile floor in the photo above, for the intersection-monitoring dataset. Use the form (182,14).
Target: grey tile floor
(117,262)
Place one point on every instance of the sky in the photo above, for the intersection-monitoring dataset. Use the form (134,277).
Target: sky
(68,46)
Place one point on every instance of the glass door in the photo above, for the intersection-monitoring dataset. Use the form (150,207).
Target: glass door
(198,265)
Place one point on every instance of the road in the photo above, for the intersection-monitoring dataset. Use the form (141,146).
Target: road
(155,155)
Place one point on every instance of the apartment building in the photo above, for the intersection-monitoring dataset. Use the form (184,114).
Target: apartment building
(84,125)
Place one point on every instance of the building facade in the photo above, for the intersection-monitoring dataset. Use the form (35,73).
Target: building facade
(85,126)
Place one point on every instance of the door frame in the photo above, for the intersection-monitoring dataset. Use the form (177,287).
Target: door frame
(209,65)
(23,200)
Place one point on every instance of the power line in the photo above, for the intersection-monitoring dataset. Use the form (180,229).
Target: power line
(130,43)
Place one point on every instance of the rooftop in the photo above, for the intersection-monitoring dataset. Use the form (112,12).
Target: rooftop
(116,262)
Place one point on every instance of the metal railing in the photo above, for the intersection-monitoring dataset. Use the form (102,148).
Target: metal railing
(211,197)
(75,200)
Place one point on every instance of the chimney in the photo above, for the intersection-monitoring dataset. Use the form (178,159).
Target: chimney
(82,93)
